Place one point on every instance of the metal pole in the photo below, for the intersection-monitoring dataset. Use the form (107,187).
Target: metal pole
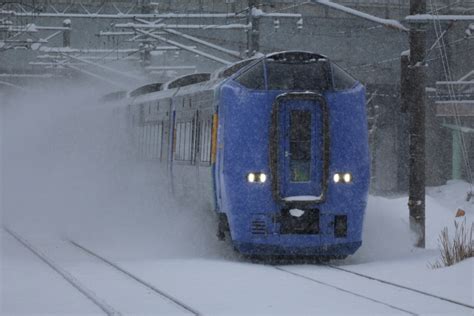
(146,7)
(405,82)
(253,35)
(457,156)
(416,102)
(67,33)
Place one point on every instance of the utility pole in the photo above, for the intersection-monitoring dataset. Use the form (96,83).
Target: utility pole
(413,101)
(67,33)
(253,35)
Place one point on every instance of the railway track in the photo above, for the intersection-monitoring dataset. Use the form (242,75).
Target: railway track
(396,297)
(429,298)
(146,284)
(88,292)
(402,287)
(311,279)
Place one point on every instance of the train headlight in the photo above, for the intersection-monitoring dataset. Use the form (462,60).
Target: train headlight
(251,177)
(343,177)
(256,177)
(347,177)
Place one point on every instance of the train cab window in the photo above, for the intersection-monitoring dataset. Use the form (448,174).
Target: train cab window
(300,76)
(253,78)
(300,145)
(234,68)
(341,79)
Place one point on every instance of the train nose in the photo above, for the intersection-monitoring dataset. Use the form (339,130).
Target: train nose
(299,221)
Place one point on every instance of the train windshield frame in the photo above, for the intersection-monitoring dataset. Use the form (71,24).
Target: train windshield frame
(296,72)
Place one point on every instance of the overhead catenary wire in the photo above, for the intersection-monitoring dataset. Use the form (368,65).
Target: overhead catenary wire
(396,59)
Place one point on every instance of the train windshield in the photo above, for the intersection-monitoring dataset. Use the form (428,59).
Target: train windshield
(312,76)
(253,78)
(229,71)
(296,72)
(341,79)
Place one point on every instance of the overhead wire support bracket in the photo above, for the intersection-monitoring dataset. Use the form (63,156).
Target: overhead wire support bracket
(205,43)
(148,24)
(192,50)
(112,82)
(390,23)
(121,16)
(183,26)
(128,15)
(124,74)
(424,18)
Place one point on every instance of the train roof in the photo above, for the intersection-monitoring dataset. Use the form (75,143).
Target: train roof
(228,71)
(114,96)
(299,56)
(148,88)
(206,81)
(187,80)
(191,82)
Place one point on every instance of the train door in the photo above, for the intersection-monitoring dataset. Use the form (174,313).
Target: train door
(303,147)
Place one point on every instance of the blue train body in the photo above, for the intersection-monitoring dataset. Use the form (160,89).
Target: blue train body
(278,148)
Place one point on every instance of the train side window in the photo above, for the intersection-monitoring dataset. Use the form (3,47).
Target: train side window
(151,141)
(188,141)
(177,140)
(159,141)
(253,78)
(184,137)
(341,79)
(205,136)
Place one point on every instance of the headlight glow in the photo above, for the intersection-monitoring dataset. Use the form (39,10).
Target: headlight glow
(342,177)
(256,177)
(251,177)
(347,177)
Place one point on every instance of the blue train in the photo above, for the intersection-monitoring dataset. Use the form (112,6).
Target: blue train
(276,145)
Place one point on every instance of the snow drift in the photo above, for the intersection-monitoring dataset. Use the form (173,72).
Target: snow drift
(70,171)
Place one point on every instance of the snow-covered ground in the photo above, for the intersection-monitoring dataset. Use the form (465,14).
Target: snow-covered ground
(67,175)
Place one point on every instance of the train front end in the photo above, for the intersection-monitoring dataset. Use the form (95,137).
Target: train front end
(292,167)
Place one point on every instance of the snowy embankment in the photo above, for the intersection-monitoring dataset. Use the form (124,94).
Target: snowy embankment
(388,253)
(386,230)
(69,174)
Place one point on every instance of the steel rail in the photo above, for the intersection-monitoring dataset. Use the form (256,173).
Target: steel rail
(104,306)
(401,286)
(346,291)
(137,279)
